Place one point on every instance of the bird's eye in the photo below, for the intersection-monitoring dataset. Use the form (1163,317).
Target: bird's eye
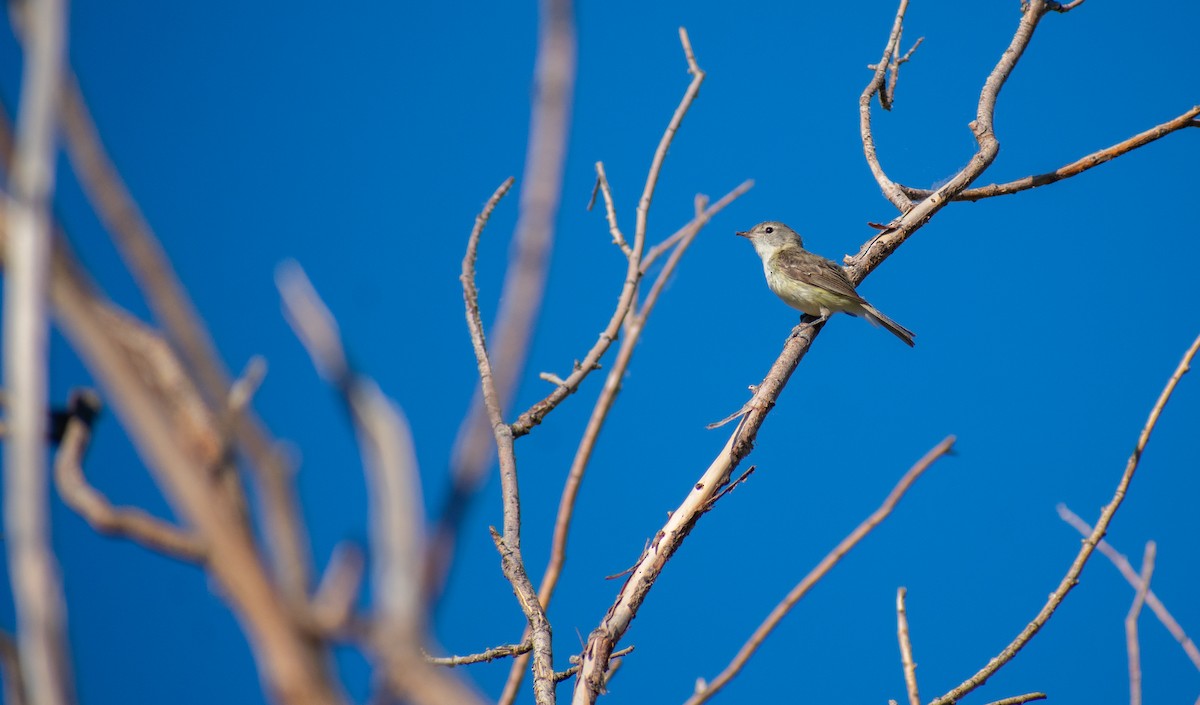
(768,230)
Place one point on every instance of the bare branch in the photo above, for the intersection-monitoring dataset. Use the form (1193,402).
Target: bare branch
(131,523)
(492,654)
(906,653)
(508,544)
(1126,570)
(660,154)
(37,591)
(1131,629)
(524,281)
(877,87)
(1074,168)
(1089,545)
(820,571)
(610,211)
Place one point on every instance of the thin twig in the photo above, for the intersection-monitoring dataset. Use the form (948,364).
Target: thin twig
(492,654)
(563,675)
(887,97)
(1018,699)
(1126,569)
(1076,167)
(906,653)
(1065,8)
(37,591)
(525,278)
(610,211)
(131,523)
(877,86)
(509,543)
(591,361)
(820,571)
(1131,629)
(1089,545)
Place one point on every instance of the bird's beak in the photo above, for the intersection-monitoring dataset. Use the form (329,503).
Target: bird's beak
(741,234)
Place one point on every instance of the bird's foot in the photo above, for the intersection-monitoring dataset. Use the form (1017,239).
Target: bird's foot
(807,321)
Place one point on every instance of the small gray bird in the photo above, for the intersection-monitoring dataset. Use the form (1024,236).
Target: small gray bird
(811,283)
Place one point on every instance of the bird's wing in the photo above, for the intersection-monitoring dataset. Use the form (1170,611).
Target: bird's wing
(805,266)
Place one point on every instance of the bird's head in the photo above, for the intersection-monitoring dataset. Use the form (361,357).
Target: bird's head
(771,236)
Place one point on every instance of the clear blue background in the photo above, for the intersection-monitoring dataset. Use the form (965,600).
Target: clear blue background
(363,140)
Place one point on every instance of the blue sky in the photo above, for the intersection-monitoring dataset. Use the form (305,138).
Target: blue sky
(362,143)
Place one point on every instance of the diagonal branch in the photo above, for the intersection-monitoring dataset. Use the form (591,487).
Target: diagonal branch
(820,571)
(1095,159)
(1089,544)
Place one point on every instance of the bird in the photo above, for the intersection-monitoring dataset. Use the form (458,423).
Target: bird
(809,282)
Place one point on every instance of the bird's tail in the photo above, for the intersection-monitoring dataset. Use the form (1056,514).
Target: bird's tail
(876,317)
